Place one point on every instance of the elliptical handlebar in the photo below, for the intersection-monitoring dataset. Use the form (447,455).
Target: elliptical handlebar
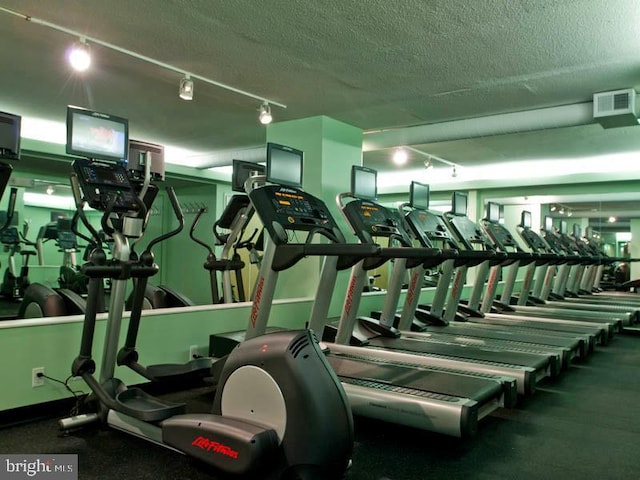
(193,227)
(80,203)
(179,216)
(11,208)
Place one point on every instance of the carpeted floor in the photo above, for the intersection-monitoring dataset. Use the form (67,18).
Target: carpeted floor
(584,426)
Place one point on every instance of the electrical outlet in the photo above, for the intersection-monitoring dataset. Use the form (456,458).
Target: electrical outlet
(37,381)
(193,352)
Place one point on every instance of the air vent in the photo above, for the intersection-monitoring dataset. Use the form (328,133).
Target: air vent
(616,108)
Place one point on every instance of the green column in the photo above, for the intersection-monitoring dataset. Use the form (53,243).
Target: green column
(330,149)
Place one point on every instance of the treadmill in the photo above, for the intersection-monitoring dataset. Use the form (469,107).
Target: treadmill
(370,219)
(440,400)
(469,234)
(416,215)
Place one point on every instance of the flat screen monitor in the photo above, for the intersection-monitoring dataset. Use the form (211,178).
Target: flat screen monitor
(242,170)
(563,227)
(97,135)
(493,212)
(284,165)
(525,219)
(364,182)
(419,196)
(55,216)
(138,155)
(577,231)
(10,136)
(548,223)
(459,203)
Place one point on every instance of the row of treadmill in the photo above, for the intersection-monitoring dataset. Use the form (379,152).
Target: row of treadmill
(445,365)
(284,400)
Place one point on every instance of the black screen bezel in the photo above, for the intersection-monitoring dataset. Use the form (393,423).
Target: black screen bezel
(16,121)
(412,195)
(354,173)
(456,199)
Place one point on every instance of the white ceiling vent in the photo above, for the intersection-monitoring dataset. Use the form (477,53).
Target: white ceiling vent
(615,109)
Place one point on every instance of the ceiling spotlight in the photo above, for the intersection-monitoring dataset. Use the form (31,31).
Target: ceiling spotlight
(186,88)
(50,190)
(79,56)
(265,114)
(553,208)
(561,211)
(454,172)
(428,165)
(400,156)
(569,213)
(612,219)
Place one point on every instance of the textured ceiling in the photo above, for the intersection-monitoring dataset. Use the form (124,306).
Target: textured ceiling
(374,64)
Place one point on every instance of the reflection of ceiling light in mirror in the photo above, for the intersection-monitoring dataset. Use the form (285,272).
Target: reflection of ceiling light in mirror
(612,219)
(569,213)
(400,156)
(428,165)
(50,190)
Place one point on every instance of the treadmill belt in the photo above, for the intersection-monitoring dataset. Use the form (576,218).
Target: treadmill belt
(463,351)
(479,389)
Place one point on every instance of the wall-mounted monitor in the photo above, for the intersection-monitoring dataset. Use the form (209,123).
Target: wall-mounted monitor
(97,135)
(548,223)
(459,203)
(242,170)
(284,165)
(138,155)
(493,212)
(419,196)
(364,182)
(10,136)
(525,219)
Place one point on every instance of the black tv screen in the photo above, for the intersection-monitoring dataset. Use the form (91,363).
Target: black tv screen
(10,136)
(284,165)
(419,196)
(525,219)
(242,170)
(364,182)
(548,223)
(139,153)
(493,212)
(563,227)
(97,135)
(459,203)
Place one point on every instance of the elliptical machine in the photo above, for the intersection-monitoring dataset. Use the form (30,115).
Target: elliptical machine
(15,281)
(278,406)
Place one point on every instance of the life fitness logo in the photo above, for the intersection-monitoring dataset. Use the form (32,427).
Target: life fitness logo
(256,302)
(349,297)
(208,445)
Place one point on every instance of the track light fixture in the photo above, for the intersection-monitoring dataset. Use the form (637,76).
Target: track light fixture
(427,164)
(79,55)
(265,114)
(400,156)
(116,48)
(454,172)
(186,88)
(50,190)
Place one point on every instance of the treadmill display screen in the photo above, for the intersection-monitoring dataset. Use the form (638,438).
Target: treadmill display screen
(10,136)
(459,203)
(419,196)
(548,223)
(493,212)
(364,182)
(563,227)
(284,165)
(577,231)
(525,219)
(242,170)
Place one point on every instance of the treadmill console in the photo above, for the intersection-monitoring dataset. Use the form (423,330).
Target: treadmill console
(370,219)
(286,208)
(429,228)
(533,241)
(501,237)
(102,183)
(469,234)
